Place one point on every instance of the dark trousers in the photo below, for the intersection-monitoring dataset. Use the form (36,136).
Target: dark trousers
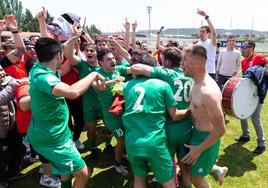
(12,152)
(76,111)
(222,80)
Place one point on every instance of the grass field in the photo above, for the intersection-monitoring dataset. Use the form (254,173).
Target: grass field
(245,169)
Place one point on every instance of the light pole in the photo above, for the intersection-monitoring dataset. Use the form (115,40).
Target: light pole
(149,9)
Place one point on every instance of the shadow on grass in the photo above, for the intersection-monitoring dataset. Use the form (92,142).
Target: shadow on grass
(238,159)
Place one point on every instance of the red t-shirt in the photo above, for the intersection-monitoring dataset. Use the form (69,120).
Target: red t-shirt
(71,77)
(23,118)
(255,59)
(158,56)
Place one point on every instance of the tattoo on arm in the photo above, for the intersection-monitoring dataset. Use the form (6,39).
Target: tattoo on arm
(18,52)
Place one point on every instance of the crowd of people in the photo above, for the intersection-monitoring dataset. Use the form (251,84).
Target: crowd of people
(162,108)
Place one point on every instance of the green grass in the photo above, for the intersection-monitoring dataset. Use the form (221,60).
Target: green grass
(245,169)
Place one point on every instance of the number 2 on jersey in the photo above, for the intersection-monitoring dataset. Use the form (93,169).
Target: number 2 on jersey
(137,106)
(182,88)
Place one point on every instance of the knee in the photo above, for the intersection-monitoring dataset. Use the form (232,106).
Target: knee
(83,174)
(198,181)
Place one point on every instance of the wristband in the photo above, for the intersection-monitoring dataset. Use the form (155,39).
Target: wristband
(206,17)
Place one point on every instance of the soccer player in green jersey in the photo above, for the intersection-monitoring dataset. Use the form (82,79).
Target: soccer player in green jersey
(147,101)
(91,103)
(112,74)
(180,132)
(48,131)
(205,104)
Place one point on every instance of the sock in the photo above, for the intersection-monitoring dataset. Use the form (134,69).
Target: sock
(66,184)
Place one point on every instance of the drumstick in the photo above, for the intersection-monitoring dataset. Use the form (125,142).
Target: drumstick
(160,30)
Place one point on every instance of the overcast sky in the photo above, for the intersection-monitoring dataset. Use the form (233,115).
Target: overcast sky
(108,15)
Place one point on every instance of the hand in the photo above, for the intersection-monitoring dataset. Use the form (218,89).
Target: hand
(192,156)
(2,25)
(137,69)
(119,79)
(217,78)
(77,31)
(11,23)
(126,25)
(42,15)
(201,12)
(134,25)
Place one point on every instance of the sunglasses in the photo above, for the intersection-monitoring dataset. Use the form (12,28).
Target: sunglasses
(245,47)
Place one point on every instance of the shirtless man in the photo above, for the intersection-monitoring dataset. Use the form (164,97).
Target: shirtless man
(205,104)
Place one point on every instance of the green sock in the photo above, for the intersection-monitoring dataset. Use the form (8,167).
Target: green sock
(92,143)
(66,184)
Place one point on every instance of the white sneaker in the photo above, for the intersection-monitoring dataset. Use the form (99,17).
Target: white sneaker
(79,145)
(121,169)
(50,181)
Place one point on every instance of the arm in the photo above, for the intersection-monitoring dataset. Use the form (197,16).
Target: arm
(65,68)
(87,37)
(41,17)
(15,55)
(78,88)
(25,103)
(69,46)
(211,27)
(213,107)
(237,65)
(140,69)
(133,36)
(126,38)
(158,46)
(176,114)
(123,51)
(218,66)
(2,28)
(8,93)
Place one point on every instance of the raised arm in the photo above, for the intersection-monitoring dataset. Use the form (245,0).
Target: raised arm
(133,35)
(211,27)
(15,55)
(41,17)
(126,38)
(69,46)
(123,51)
(158,45)
(2,28)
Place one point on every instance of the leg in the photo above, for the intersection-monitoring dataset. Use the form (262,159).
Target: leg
(78,119)
(244,127)
(200,182)
(81,178)
(91,134)
(119,149)
(186,174)
(256,121)
(139,182)
(169,184)
(66,181)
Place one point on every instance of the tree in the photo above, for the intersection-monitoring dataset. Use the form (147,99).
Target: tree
(93,31)
(29,23)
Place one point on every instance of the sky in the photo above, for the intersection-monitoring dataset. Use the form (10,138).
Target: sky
(109,15)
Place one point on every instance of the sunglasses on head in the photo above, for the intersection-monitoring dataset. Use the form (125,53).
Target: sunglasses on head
(245,47)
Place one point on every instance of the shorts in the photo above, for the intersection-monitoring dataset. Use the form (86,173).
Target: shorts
(64,159)
(91,112)
(158,158)
(178,134)
(114,124)
(203,165)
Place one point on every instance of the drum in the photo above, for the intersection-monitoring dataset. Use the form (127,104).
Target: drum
(239,97)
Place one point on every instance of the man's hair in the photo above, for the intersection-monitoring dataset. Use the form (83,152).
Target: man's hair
(147,59)
(230,37)
(197,51)
(99,39)
(47,48)
(102,53)
(206,27)
(174,55)
(251,43)
(173,43)
(32,36)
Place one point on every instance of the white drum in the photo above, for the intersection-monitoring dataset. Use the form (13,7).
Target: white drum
(240,97)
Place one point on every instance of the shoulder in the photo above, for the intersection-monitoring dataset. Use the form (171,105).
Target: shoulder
(259,58)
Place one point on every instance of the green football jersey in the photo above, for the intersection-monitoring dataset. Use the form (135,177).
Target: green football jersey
(146,102)
(50,114)
(179,83)
(90,97)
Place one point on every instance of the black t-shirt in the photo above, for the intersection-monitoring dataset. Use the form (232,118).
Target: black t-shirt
(4,62)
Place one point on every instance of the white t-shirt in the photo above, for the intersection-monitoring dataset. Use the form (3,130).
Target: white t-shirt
(211,54)
(228,62)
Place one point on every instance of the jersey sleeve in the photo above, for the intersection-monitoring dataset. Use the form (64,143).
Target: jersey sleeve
(46,82)
(79,65)
(160,73)
(122,70)
(169,98)
(22,90)
(260,60)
